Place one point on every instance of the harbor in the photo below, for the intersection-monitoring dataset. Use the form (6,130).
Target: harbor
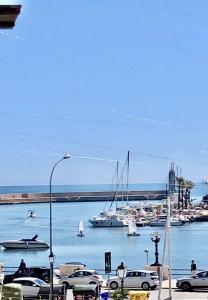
(68,247)
(103,186)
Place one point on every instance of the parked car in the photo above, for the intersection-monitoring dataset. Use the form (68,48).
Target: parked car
(135,279)
(82,277)
(38,272)
(36,288)
(200,280)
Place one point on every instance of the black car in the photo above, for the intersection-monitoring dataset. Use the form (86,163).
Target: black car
(38,272)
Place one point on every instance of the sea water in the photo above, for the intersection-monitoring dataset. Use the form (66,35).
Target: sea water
(188,242)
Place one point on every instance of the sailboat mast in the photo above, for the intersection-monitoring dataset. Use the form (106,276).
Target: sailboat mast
(122,192)
(127,184)
(117,183)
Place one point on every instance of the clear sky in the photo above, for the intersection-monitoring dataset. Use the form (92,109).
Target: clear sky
(97,78)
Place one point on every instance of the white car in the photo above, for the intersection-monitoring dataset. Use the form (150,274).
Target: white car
(82,277)
(33,287)
(135,279)
(200,280)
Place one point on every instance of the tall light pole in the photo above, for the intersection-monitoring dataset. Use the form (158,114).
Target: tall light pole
(121,271)
(51,255)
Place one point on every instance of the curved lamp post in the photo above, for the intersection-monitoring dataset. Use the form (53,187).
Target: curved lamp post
(51,255)
(121,271)
(155,237)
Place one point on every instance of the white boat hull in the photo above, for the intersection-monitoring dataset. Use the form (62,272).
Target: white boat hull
(106,223)
(162,224)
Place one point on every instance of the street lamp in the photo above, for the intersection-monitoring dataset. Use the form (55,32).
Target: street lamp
(121,271)
(147,253)
(51,255)
(155,237)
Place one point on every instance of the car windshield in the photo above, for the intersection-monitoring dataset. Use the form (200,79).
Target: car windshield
(40,282)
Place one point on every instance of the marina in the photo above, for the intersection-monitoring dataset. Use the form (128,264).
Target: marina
(68,247)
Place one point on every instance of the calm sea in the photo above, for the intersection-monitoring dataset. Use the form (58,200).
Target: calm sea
(199,188)
(188,242)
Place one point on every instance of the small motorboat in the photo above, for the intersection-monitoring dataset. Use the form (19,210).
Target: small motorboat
(132,229)
(32,243)
(81,229)
(31,214)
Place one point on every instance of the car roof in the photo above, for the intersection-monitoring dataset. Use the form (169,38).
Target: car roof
(88,270)
(37,267)
(145,271)
(26,278)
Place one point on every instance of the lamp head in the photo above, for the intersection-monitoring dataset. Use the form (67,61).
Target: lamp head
(66,156)
(155,236)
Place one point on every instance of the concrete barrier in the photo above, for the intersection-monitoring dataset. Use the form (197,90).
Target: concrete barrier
(156,269)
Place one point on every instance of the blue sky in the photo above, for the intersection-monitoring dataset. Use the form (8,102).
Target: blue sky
(98,78)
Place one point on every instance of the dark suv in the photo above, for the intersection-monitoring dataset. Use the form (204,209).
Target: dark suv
(38,272)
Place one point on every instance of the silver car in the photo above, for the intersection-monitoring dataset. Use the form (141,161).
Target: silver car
(200,280)
(81,277)
(136,279)
(34,287)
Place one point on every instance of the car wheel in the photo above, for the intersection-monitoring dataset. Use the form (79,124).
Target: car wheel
(92,282)
(66,285)
(186,286)
(145,286)
(113,285)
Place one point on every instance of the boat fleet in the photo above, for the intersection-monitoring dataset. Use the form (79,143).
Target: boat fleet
(139,215)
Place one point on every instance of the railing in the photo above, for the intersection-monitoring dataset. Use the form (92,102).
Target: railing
(174,271)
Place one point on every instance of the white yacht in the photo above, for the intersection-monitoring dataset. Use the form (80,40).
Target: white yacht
(25,244)
(118,217)
(107,221)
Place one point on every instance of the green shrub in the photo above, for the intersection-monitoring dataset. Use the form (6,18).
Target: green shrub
(120,294)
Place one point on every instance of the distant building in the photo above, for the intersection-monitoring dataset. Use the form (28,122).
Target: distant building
(172,179)
(8,15)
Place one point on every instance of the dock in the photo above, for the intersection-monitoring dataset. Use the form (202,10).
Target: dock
(22,198)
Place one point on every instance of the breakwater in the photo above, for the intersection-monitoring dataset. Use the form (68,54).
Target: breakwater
(16,198)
